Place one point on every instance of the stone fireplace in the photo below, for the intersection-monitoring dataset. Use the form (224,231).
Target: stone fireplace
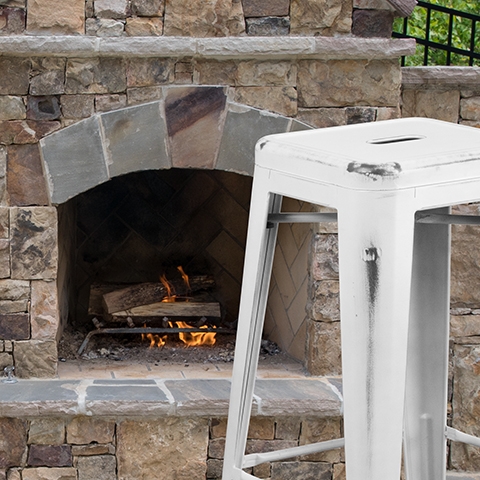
(102,196)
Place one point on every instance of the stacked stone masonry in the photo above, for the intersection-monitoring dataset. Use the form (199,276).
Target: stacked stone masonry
(198,18)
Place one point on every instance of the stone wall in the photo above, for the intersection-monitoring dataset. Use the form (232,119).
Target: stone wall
(86,448)
(115,18)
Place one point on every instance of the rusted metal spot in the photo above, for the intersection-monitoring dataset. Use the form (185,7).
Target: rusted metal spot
(375,171)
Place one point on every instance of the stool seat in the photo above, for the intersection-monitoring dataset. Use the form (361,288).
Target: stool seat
(395,154)
(394,284)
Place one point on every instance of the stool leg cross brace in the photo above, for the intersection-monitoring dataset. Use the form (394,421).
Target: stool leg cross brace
(394,259)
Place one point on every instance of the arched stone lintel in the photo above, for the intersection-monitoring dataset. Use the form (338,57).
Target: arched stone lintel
(189,127)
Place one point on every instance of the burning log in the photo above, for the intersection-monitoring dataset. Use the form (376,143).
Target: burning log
(176,309)
(152,293)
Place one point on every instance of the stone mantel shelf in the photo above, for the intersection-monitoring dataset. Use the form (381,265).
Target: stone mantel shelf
(216,48)
(308,397)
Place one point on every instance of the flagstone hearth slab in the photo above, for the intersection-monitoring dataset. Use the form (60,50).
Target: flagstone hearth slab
(314,397)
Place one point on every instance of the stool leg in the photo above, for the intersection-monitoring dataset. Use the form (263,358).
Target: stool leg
(256,278)
(427,364)
(375,248)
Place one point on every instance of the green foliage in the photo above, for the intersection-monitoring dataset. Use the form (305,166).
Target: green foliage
(439,23)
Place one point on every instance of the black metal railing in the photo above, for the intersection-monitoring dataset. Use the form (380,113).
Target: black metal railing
(456,51)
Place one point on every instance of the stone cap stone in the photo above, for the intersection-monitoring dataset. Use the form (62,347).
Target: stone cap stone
(215,48)
(418,77)
(312,397)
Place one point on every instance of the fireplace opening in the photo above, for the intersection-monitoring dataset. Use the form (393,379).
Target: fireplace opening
(125,248)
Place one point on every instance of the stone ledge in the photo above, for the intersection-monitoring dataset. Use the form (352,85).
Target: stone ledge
(416,77)
(215,48)
(309,397)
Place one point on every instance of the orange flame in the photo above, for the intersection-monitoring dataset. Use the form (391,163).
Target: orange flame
(170,297)
(193,339)
(184,276)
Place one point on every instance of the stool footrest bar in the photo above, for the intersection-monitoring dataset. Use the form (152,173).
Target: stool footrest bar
(448,219)
(257,458)
(308,217)
(457,436)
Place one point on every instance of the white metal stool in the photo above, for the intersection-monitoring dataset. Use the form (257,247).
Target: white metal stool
(384,179)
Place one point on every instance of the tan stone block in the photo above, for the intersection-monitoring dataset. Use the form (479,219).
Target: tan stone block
(266,8)
(6,360)
(14,474)
(147,72)
(204,18)
(323,350)
(49,16)
(46,431)
(34,247)
(466,405)
(325,258)
(143,27)
(99,466)
(282,100)
(470,108)
(148,8)
(107,103)
(218,428)
(388,113)
(339,472)
(25,180)
(13,433)
(255,73)
(12,108)
(263,470)
(25,131)
(320,17)
(111,8)
(262,428)
(464,325)
(136,96)
(325,302)
(15,76)
(45,473)
(35,358)
(85,430)
(77,106)
(44,315)
(465,260)
(48,76)
(346,83)
(93,449)
(287,428)
(432,104)
(99,75)
(181,441)
(5,260)
(319,430)
(4,215)
(322,117)
(104,27)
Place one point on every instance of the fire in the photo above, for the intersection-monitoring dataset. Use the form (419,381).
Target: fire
(193,339)
(190,339)
(170,296)
(184,276)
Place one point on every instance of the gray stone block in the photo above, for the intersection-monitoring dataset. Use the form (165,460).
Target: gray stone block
(135,139)
(243,127)
(268,26)
(200,396)
(74,160)
(300,396)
